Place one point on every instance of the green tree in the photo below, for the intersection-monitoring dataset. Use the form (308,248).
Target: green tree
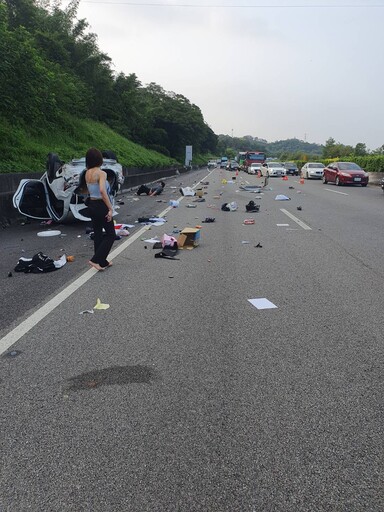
(379,150)
(360,149)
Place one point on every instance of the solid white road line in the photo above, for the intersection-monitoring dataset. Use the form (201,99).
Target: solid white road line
(18,332)
(336,191)
(295,219)
(30,322)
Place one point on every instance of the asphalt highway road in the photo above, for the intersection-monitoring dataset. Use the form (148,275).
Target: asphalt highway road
(183,396)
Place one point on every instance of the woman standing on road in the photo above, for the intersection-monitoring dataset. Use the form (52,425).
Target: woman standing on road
(100,209)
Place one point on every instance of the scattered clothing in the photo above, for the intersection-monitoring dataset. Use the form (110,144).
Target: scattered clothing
(252,207)
(39,264)
(229,207)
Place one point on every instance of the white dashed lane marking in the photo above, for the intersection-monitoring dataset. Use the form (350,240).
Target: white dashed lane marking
(295,219)
(336,191)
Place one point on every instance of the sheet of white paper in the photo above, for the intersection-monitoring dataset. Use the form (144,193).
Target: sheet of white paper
(158,223)
(262,303)
(152,240)
(157,219)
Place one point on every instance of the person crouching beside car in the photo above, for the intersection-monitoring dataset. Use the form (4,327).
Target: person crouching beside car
(153,191)
(100,209)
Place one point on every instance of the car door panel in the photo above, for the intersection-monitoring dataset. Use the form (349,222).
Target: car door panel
(30,199)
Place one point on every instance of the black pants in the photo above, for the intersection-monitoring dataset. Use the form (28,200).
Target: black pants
(143,189)
(102,242)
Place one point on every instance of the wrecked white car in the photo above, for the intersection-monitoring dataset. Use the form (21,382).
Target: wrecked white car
(56,196)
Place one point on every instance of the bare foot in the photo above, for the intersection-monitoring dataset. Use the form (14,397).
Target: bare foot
(95,265)
(108,265)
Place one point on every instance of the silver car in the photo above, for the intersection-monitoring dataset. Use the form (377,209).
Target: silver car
(274,169)
(56,196)
(312,170)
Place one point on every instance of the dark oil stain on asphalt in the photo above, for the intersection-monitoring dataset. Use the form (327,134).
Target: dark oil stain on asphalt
(115,375)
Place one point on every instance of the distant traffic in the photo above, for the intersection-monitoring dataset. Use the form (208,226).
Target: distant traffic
(256,163)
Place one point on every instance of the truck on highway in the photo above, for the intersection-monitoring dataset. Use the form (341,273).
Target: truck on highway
(253,157)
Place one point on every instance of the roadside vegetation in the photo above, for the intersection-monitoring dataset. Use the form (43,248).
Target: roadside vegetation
(60,94)
(26,150)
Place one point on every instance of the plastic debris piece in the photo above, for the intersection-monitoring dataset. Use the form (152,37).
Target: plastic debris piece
(70,258)
(60,262)
(90,311)
(245,242)
(10,274)
(258,245)
(282,197)
(50,232)
(299,208)
(151,240)
(249,221)
(187,191)
(100,305)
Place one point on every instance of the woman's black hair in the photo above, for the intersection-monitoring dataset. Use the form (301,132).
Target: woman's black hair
(162,184)
(93,158)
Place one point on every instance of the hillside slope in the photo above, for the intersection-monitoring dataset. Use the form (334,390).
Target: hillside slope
(24,149)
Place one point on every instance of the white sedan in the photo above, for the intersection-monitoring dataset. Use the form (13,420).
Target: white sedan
(274,169)
(312,170)
(254,169)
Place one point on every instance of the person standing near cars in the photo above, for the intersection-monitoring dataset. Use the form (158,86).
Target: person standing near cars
(100,209)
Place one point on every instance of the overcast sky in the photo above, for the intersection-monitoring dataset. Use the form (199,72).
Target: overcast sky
(273,69)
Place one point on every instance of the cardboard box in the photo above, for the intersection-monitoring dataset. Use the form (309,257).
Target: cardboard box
(188,238)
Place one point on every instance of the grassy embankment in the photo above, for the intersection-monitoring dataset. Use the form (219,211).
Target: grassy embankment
(25,149)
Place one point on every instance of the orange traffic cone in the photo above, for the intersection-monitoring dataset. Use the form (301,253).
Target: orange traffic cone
(301,181)
(285,178)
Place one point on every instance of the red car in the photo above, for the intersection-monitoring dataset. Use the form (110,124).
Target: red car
(345,173)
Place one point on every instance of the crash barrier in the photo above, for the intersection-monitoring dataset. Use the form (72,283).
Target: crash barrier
(134,177)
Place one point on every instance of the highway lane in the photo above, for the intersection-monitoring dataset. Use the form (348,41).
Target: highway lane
(183,396)
(25,292)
